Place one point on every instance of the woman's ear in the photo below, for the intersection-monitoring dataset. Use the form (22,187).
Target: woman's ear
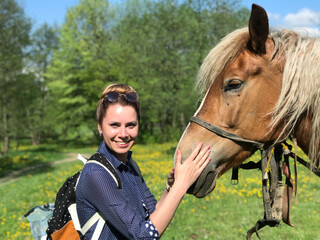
(99,129)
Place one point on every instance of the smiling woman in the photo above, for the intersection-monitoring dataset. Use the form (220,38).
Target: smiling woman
(131,212)
(120,129)
(118,116)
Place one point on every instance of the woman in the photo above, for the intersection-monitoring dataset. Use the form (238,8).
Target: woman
(133,212)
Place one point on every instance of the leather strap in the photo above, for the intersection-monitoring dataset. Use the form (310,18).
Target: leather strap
(288,192)
(223,133)
(272,195)
(235,176)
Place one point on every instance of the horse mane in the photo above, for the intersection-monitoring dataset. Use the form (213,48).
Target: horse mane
(220,56)
(300,90)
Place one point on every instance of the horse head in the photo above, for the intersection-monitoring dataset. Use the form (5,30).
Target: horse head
(241,80)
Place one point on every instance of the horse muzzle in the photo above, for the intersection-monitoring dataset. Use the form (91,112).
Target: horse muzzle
(205,183)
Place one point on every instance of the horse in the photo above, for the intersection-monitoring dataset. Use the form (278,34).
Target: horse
(260,86)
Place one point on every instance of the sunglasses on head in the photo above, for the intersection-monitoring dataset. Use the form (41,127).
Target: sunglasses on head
(115,96)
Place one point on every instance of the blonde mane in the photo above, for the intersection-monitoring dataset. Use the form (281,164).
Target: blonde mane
(300,91)
(220,56)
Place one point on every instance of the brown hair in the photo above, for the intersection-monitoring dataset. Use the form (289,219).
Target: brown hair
(103,103)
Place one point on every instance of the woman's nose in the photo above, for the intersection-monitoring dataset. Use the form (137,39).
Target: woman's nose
(123,132)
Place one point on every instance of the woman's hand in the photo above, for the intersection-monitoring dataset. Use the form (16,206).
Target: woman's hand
(186,173)
(182,176)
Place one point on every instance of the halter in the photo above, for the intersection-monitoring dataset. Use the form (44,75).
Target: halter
(272,196)
(224,133)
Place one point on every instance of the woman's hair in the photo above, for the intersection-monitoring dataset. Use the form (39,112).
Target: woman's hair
(122,89)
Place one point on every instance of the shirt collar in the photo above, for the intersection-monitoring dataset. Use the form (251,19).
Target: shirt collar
(106,151)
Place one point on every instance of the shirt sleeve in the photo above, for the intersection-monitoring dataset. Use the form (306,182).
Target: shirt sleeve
(150,200)
(101,191)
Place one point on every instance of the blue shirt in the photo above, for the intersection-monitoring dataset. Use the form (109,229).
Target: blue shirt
(126,210)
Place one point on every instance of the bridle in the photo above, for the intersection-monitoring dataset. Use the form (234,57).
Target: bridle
(224,133)
(272,201)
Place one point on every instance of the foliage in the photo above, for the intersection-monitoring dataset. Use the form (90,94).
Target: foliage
(170,40)
(51,84)
(38,112)
(80,67)
(226,213)
(14,38)
(152,45)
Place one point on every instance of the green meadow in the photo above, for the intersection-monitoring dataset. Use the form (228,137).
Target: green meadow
(227,213)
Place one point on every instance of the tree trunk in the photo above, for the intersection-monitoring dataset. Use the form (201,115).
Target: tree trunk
(35,139)
(6,140)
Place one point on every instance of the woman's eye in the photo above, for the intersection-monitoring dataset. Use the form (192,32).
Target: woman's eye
(233,84)
(131,124)
(114,125)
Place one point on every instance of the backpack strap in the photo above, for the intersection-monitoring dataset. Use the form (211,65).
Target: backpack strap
(100,159)
(95,218)
(99,228)
(74,216)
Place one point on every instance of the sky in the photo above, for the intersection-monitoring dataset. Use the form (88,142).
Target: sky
(300,15)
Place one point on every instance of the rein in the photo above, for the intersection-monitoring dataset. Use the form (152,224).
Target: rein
(223,133)
(272,189)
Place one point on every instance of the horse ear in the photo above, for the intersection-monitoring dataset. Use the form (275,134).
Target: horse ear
(258,29)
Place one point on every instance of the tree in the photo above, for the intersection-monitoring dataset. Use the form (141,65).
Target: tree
(155,46)
(14,37)
(81,67)
(43,41)
(164,43)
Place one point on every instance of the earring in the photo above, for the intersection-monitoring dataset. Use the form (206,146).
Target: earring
(100,133)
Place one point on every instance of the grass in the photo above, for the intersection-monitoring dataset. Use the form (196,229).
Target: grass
(227,213)
(26,156)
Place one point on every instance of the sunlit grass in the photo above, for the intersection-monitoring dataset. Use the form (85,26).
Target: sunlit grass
(227,213)
(26,156)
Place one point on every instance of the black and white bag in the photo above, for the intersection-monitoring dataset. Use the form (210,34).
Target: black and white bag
(64,223)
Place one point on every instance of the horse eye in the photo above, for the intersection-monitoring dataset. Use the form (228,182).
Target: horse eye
(232,84)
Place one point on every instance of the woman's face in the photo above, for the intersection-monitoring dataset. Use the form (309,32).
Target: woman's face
(120,129)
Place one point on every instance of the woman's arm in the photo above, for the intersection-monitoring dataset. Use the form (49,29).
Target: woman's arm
(185,175)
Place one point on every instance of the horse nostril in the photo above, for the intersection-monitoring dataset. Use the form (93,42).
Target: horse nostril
(191,188)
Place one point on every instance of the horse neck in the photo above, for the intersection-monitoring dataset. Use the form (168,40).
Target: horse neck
(302,132)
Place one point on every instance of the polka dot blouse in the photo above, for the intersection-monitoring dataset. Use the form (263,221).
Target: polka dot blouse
(125,210)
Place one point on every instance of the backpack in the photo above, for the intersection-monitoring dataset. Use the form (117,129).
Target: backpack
(64,223)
